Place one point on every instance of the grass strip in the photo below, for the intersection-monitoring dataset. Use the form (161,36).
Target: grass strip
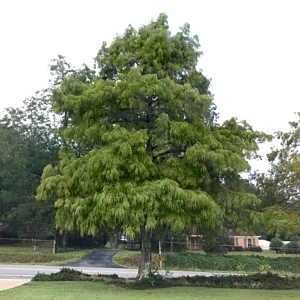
(157,280)
(98,290)
(18,255)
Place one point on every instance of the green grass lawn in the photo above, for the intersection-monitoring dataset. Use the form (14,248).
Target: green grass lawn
(125,258)
(26,255)
(93,290)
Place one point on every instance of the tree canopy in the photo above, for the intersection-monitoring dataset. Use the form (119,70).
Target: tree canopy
(150,149)
(279,189)
(27,145)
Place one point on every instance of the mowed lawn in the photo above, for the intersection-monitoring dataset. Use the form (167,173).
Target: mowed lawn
(96,290)
(26,255)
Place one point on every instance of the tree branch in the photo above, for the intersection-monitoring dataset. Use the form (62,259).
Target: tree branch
(163,144)
(168,152)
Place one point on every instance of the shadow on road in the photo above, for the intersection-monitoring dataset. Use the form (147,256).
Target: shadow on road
(98,259)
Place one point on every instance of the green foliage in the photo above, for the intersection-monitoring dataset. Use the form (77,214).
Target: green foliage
(154,280)
(153,158)
(15,177)
(292,248)
(238,248)
(230,263)
(27,144)
(295,238)
(279,188)
(276,244)
(255,281)
(65,274)
(35,228)
(24,254)
(218,245)
(149,150)
(255,249)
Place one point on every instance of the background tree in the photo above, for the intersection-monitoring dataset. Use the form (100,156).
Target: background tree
(35,228)
(151,151)
(27,144)
(14,179)
(279,189)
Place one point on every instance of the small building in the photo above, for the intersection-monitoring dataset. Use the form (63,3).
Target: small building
(244,241)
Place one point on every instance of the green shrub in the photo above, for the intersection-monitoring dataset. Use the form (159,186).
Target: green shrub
(295,238)
(255,281)
(229,263)
(292,248)
(66,274)
(220,245)
(154,280)
(238,248)
(276,244)
(215,248)
(255,249)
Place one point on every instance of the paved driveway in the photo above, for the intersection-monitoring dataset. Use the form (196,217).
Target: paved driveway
(99,259)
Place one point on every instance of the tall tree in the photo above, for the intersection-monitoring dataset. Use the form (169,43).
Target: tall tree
(14,179)
(27,144)
(279,189)
(152,152)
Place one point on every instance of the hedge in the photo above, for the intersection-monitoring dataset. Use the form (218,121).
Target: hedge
(246,263)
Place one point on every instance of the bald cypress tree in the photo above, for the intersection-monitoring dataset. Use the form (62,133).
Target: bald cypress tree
(152,152)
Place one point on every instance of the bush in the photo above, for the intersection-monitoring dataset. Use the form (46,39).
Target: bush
(255,249)
(66,274)
(229,263)
(238,248)
(254,281)
(276,245)
(292,248)
(295,238)
(214,248)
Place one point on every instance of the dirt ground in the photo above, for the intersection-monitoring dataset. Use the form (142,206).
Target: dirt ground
(6,284)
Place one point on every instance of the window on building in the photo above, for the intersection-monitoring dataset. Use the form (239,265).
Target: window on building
(249,242)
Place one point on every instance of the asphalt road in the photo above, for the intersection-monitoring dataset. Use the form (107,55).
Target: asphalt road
(27,272)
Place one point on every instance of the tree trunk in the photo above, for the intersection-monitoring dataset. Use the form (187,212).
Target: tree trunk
(145,260)
(65,240)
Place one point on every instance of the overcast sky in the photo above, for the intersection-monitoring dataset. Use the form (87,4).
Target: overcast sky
(251,48)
